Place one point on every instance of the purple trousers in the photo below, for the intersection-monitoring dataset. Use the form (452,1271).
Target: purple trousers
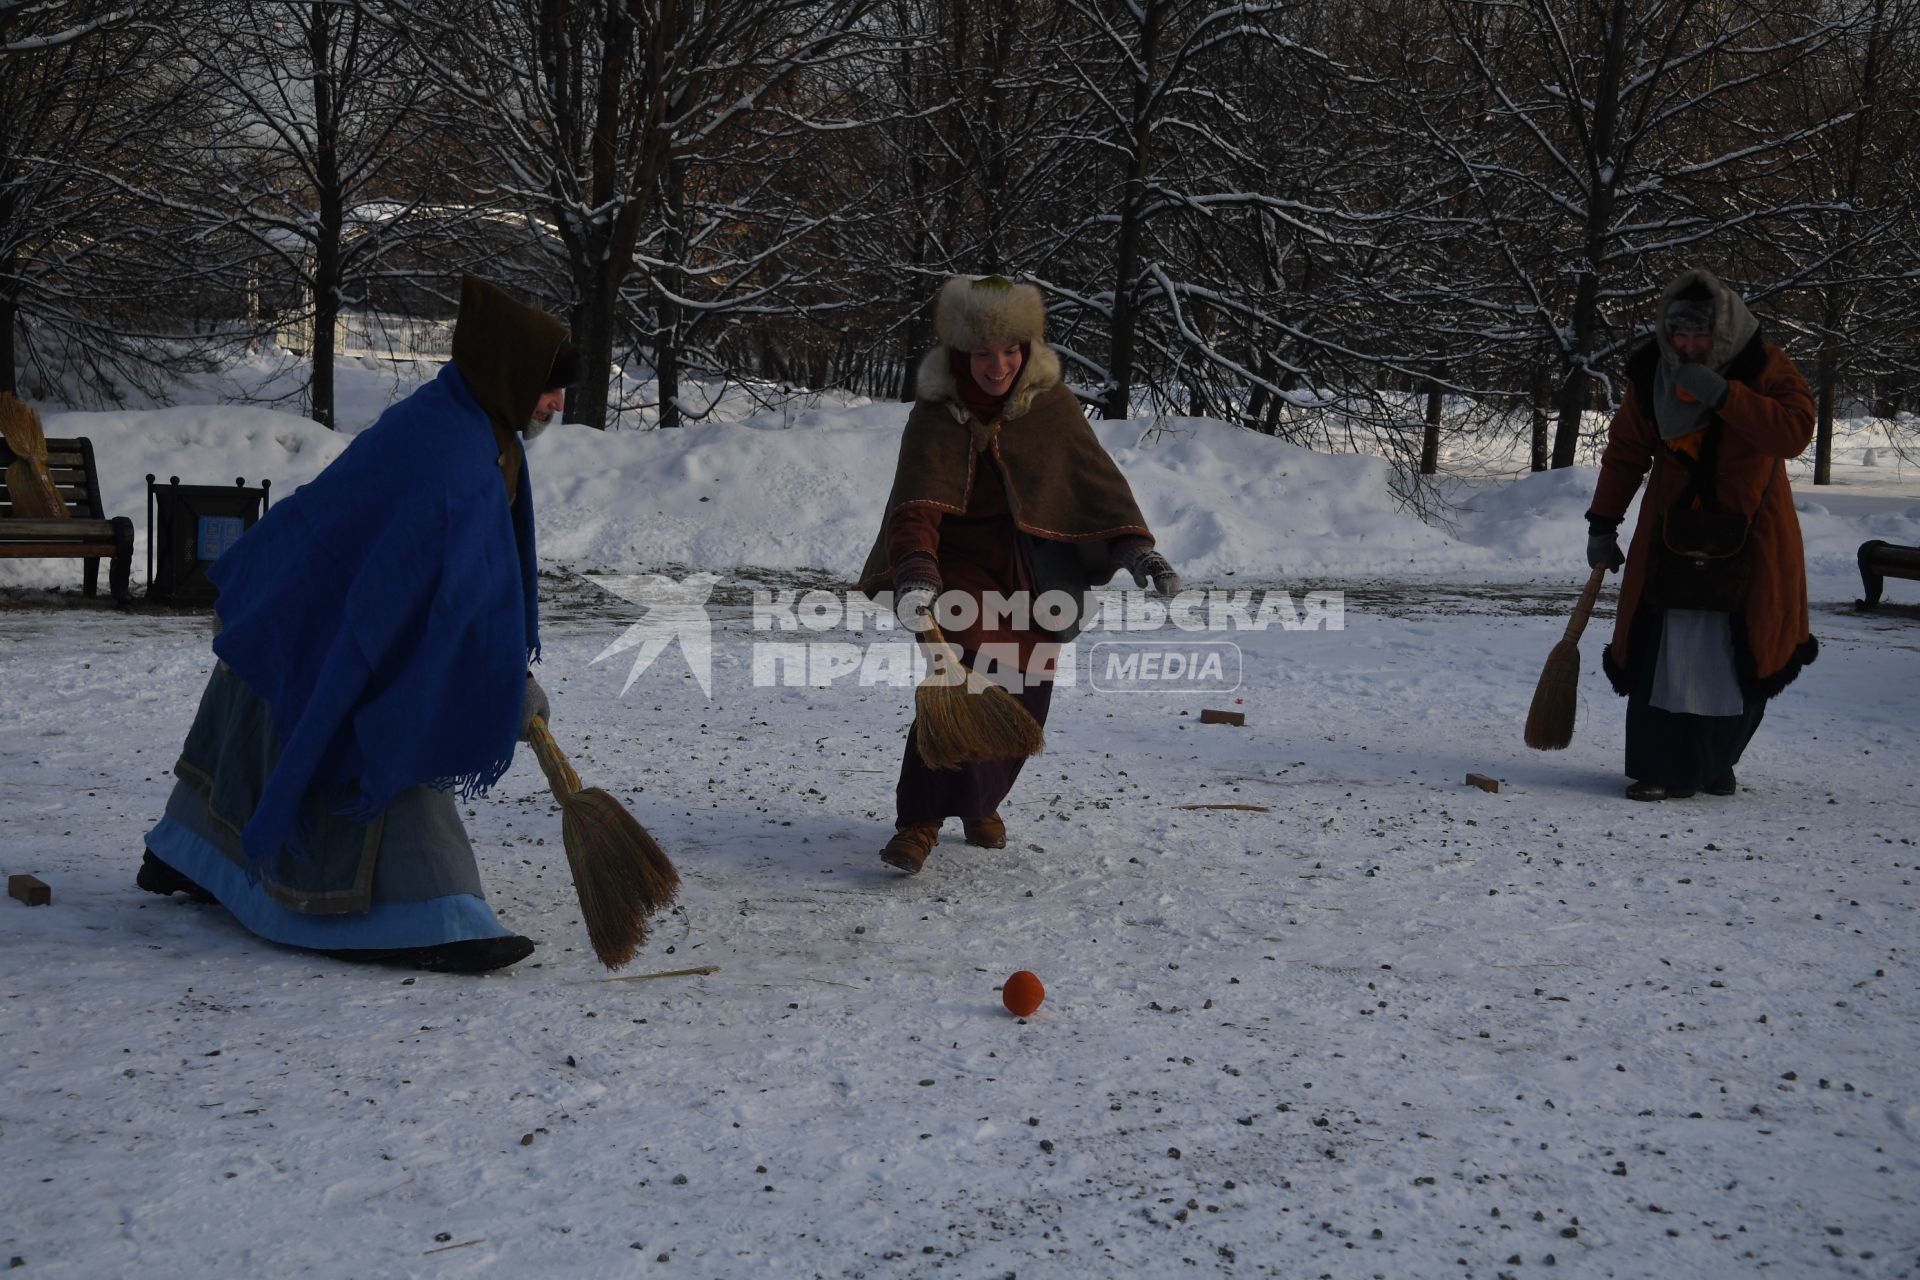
(972,790)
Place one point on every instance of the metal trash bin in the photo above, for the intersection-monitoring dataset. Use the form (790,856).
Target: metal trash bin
(196,523)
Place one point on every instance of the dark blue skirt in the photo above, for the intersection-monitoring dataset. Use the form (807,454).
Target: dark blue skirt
(1683,751)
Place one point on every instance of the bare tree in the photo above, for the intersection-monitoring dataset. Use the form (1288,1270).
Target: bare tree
(311,164)
(1599,142)
(81,105)
(1853,256)
(579,108)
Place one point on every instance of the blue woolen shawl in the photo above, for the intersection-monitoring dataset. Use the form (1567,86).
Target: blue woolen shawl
(385,612)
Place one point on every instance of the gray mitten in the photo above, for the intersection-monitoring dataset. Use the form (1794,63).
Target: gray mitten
(533,703)
(913,603)
(916,582)
(1146,564)
(1603,544)
(1701,384)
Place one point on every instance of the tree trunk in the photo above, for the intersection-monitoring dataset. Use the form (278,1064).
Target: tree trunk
(1133,201)
(1605,175)
(326,318)
(998,163)
(1826,378)
(1542,402)
(326,248)
(593,334)
(9,358)
(919,337)
(1430,442)
(666,372)
(667,336)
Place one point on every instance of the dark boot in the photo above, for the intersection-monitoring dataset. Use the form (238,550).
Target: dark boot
(988,832)
(910,846)
(156,876)
(1724,785)
(1657,791)
(474,955)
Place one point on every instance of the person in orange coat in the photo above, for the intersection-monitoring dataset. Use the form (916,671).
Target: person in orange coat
(1713,606)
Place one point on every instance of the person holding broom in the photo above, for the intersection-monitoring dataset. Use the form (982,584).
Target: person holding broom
(1005,510)
(1712,619)
(374,635)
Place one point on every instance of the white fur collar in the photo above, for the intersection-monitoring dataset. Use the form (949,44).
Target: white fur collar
(935,382)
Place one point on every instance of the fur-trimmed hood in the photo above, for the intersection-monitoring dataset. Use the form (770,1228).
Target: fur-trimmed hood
(935,383)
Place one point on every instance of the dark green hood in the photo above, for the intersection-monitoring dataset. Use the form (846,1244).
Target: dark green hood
(504,349)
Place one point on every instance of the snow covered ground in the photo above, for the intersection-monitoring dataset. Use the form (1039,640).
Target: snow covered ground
(1387,1025)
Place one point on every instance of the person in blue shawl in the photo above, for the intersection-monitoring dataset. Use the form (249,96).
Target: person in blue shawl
(374,636)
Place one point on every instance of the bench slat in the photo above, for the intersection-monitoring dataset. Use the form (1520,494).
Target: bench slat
(52,550)
(20,530)
(1895,560)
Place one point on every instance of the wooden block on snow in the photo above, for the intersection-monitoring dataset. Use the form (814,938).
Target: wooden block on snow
(1483,782)
(1210,716)
(30,890)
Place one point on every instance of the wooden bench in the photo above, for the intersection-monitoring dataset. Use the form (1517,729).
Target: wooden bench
(86,533)
(1882,560)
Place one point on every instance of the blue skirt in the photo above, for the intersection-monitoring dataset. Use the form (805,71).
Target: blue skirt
(405,879)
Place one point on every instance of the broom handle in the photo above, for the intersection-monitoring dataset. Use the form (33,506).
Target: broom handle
(1578,623)
(938,648)
(561,778)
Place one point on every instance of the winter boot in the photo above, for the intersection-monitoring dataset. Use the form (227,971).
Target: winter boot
(1724,785)
(156,876)
(1657,791)
(473,955)
(988,832)
(910,846)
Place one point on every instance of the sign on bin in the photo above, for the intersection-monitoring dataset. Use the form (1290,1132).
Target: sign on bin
(189,526)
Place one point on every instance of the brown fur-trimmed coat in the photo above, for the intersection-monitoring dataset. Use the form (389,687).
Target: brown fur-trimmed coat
(1062,508)
(1768,417)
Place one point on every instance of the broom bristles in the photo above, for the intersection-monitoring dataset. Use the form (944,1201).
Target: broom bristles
(20,427)
(964,723)
(962,717)
(1556,699)
(35,495)
(620,874)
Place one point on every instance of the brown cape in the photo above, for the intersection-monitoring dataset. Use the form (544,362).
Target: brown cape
(1061,485)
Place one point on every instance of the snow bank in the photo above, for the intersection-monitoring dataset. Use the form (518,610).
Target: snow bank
(802,489)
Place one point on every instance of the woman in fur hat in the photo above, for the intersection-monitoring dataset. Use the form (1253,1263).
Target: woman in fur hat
(1002,493)
(1713,607)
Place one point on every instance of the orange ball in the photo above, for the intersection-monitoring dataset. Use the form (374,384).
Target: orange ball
(1023,994)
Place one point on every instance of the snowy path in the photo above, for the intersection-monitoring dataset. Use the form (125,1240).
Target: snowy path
(1393,1027)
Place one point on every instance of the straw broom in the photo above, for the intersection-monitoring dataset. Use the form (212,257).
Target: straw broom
(31,486)
(621,875)
(964,717)
(1556,700)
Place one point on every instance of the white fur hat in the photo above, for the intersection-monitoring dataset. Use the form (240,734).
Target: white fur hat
(970,313)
